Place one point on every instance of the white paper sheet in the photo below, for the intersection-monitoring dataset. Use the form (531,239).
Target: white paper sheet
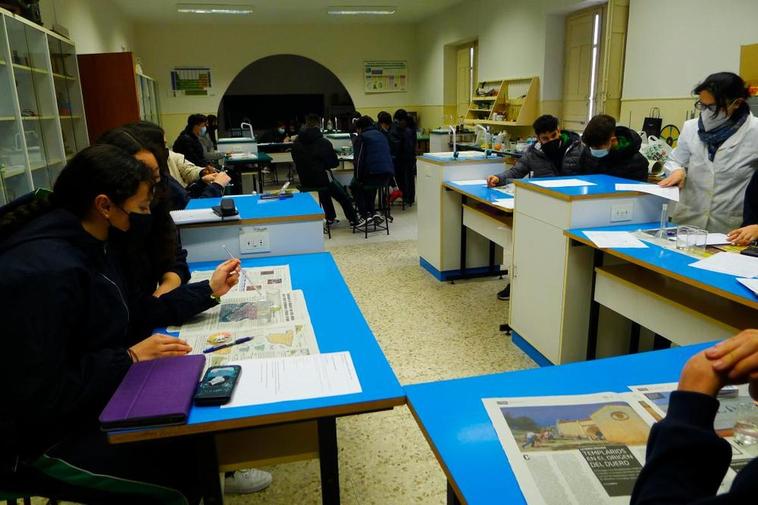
(614,239)
(274,380)
(471,182)
(198,216)
(651,189)
(506,203)
(751,284)
(562,183)
(739,265)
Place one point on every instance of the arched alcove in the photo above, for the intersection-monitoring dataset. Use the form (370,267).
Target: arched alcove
(284,87)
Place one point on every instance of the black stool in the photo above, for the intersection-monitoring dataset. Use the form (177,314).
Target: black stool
(383,196)
(309,189)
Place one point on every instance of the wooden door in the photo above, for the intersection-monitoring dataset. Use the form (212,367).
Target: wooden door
(463,81)
(578,68)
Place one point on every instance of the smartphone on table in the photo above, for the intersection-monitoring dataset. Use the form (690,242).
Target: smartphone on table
(217,385)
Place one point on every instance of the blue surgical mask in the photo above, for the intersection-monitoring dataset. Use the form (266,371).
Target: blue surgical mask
(599,153)
(281,130)
(203,130)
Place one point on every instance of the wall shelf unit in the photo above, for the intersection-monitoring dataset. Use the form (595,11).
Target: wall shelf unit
(516,103)
(35,140)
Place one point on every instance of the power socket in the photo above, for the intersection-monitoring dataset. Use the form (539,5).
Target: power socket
(254,240)
(622,212)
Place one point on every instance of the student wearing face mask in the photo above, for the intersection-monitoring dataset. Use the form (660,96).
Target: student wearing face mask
(276,135)
(66,342)
(715,157)
(557,153)
(188,142)
(612,150)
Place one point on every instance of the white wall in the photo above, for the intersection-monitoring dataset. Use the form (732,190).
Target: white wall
(95,26)
(672,45)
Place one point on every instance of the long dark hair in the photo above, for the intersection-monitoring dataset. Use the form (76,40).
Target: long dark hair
(160,245)
(725,88)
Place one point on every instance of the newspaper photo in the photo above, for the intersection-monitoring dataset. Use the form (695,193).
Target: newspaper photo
(577,449)
(657,398)
(264,279)
(243,311)
(274,341)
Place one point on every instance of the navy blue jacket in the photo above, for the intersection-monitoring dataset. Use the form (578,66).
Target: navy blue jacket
(750,213)
(372,156)
(179,196)
(687,460)
(67,320)
(189,145)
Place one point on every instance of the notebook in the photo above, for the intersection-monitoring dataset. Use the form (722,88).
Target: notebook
(154,393)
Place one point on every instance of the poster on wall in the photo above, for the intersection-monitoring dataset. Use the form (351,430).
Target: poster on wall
(386,76)
(191,81)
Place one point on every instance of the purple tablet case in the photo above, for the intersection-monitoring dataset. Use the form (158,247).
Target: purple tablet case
(157,392)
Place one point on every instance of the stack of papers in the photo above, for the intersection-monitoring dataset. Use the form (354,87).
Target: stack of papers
(652,189)
(738,265)
(614,239)
(562,183)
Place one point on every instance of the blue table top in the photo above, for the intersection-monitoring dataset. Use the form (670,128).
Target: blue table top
(453,417)
(673,264)
(325,291)
(463,157)
(252,207)
(480,192)
(603,186)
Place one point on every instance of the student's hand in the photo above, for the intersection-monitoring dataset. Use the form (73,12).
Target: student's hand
(159,346)
(737,357)
(699,376)
(169,282)
(492,181)
(675,179)
(225,277)
(208,178)
(743,236)
(209,169)
(222,179)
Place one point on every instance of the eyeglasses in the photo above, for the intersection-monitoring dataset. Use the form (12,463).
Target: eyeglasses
(703,107)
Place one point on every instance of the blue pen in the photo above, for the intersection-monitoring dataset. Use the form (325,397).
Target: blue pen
(215,348)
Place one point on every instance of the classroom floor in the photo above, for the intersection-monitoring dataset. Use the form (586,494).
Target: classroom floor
(429,331)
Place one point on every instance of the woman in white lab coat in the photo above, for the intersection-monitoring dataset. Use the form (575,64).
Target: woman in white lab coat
(715,157)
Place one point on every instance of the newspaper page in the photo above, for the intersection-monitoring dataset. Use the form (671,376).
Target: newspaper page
(656,397)
(243,311)
(573,449)
(264,279)
(274,341)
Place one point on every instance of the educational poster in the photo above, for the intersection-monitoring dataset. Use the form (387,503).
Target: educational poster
(191,81)
(386,76)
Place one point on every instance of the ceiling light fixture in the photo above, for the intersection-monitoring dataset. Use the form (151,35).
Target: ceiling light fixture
(214,9)
(362,11)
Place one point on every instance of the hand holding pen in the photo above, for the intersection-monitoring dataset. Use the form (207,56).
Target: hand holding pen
(244,273)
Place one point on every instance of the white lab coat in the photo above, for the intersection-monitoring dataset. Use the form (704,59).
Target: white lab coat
(714,191)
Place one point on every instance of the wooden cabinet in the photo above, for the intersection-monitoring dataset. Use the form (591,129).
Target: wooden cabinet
(511,102)
(114,93)
(41,118)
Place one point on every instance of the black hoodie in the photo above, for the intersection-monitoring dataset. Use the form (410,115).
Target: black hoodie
(67,321)
(313,156)
(624,160)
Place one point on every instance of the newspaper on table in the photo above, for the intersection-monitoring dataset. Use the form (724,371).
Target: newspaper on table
(656,398)
(274,341)
(573,449)
(273,278)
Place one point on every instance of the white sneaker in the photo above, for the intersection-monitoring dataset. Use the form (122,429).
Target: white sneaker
(247,481)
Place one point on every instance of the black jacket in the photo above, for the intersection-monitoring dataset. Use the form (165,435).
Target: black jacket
(405,138)
(624,160)
(750,212)
(313,156)
(189,145)
(687,460)
(371,155)
(534,160)
(179,196)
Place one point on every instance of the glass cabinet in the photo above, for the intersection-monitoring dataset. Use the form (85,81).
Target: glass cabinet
(147,91)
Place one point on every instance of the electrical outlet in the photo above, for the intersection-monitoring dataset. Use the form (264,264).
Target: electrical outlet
(622,212)
(254,240)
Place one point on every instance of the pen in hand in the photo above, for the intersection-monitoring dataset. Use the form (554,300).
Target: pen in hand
(238,341)
(244,273)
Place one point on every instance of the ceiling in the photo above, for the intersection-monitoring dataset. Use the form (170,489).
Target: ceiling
(282,11)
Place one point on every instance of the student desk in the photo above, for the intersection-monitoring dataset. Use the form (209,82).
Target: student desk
(479,213)
(288,226)
(657,289)
(440,215)
(459,431)
(251,163)
(551,280)
(325,289)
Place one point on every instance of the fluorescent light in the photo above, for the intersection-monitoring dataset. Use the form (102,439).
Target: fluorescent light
(362,11)
(214,9)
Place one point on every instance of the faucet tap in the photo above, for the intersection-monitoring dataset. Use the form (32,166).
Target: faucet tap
(455,148)
(250,127)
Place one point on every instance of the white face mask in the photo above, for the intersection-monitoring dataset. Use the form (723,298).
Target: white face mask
(203,130)
(599,153)
(710,122)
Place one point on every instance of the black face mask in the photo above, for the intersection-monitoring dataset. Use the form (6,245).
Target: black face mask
(552,149)
(140,225)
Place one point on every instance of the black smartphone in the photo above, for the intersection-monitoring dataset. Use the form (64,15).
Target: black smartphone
(750,251)
(217,385)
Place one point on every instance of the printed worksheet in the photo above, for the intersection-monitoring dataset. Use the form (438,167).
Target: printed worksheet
(269,278)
